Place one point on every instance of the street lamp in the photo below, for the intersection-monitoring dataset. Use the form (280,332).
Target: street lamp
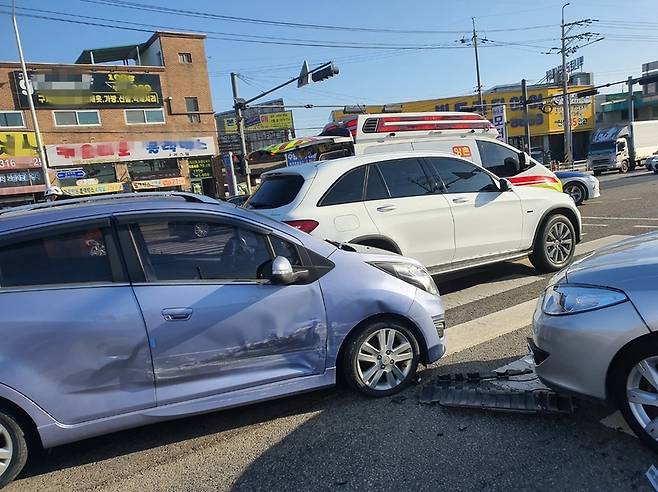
(28,89)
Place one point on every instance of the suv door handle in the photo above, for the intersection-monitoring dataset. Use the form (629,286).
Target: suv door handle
(386,208)
(177,314)
(459,200)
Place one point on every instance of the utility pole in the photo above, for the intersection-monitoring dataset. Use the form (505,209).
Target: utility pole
(566,113)
(238,105)
(524,91)
(567,48)
(29,91)
(631,118)
(477,67)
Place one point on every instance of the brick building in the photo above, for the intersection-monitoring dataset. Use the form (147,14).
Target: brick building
(132,118)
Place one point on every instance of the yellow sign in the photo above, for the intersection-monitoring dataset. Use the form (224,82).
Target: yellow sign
(270,121)
(92,189)
(582,109)
(158,183)
(18,144)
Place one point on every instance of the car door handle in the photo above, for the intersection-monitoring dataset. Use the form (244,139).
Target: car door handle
(177,314)
(459,200)
(386,208)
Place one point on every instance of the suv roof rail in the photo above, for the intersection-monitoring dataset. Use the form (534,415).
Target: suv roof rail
(188,197)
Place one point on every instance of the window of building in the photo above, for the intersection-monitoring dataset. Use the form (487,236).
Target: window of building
(185,58)
(72,258)
(102,173)
(77,118)
(11,119)
(144,116)
(348,188)
(153,169)
(191,104)
(194,118)
(225,252)
(462,177)
(405,177)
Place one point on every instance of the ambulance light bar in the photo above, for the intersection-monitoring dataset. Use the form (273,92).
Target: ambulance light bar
(434,122)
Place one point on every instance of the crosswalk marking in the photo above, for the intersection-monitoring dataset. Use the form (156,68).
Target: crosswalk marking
(488,289)
(481,330)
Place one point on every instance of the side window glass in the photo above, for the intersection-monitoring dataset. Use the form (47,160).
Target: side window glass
(286,249)
(375,188)
(500,160)
(348,188)
(71,258)
(462,177)
(187,250)
(405,177)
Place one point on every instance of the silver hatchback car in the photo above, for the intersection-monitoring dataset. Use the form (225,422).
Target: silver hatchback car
(596,331)
(116,314)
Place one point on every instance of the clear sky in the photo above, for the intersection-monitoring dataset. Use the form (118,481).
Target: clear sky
(517,32)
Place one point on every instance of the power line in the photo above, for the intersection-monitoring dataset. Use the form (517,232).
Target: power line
(251,20)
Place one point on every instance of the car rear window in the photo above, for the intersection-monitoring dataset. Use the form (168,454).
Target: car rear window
(276,191)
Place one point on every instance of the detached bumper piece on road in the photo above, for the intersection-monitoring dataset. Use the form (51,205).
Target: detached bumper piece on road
(464,390)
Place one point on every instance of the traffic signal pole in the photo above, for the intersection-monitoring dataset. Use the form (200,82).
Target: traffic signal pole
(240,123)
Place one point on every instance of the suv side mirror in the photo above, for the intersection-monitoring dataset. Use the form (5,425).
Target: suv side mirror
(504,185)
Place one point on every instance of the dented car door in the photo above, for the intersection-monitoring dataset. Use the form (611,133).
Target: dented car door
(214,323)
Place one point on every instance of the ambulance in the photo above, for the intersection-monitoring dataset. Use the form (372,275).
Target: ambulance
(468,135)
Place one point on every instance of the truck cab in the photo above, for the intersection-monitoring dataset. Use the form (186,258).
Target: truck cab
(609,151)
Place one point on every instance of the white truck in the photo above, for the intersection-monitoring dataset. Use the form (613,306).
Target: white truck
(622,147)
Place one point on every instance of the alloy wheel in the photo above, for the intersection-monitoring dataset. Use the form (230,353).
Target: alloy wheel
(559,243)
(384,359)
(575,192)
(6,449)
(642,394)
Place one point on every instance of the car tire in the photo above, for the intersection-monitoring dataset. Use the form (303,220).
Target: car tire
(655,170)
(629,378)
(598,173)
(13,447)
(367,366)
(555,244)
(577,191)
(624,167)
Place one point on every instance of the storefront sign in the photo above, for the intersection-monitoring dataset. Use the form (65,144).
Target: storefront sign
(92,153)
(61,89)
(158,183)
(92,189)
(27,177)
(231,182)
(86,182)
(268,121)
(200,168)
(18,150)
(499,120)
(71,174)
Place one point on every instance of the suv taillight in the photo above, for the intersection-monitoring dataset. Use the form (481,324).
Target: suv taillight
(306,226)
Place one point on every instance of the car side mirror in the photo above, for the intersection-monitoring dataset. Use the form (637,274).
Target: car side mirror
(282,272)
(505,185)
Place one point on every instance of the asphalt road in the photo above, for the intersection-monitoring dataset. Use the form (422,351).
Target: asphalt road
(336,440)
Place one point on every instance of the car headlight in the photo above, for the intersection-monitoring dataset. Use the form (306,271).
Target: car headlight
(565,299)
(411,273)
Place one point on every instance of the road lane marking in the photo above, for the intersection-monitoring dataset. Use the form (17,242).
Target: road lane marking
(471,333)
(488,289)
(629,199)
(616,421)
(595,225)
(646,226)
(636,219)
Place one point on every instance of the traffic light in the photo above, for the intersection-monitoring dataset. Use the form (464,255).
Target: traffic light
(325,73)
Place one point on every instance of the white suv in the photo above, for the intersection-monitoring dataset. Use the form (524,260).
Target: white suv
(441,209)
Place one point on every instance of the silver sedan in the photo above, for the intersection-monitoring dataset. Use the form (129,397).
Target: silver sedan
(595,331)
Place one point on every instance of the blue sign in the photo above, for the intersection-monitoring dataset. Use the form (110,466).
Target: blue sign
(71,174)
(293,160)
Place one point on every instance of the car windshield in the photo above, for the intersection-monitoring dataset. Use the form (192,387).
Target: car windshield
(276,191)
